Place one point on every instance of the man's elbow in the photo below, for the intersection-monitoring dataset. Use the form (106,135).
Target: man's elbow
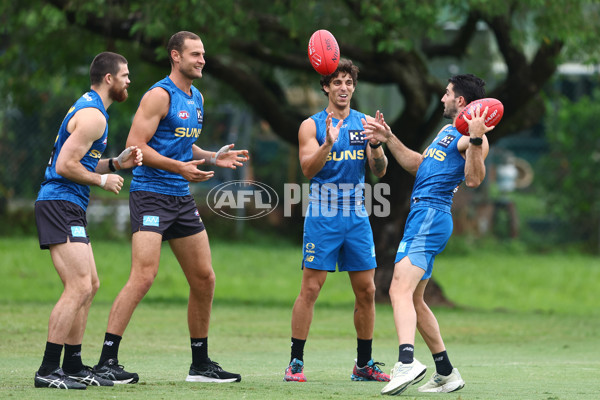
(307,172)
(473,182)
(62,169)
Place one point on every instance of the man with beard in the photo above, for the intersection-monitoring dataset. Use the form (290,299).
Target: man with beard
(60,213)
(166,125)
(450,159)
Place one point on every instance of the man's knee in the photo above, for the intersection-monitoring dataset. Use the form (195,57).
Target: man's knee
(366,293)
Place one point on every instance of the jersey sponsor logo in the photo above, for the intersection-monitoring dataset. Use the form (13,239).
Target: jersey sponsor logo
(446,140)
(187,132)
(71,110)
(310,247)
(87,96)
(200,116)
(346,155)
(78,231)
(95,153)
(183,115)
(151,220)
(437,154)
(356,137)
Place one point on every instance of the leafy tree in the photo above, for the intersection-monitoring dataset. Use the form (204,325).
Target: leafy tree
(571,166)
(257,48)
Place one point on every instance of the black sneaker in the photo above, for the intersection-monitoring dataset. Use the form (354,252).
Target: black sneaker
(211,372)
(57,380)
(89,378)
(114,372)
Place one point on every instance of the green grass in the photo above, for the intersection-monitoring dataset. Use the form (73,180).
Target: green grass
(526,326)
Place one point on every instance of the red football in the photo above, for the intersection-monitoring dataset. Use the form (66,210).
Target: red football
(494,114)
(323,52)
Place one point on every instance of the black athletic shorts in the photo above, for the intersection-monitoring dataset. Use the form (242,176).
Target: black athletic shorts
(171,216)
(58,220)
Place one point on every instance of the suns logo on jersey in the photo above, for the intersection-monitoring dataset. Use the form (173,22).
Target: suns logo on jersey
(346,155)
(436,154)
(187,132)
(95,153)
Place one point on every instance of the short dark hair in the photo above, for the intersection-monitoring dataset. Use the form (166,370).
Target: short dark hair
(468,86)
(344,66)
(105,63)
(176,42)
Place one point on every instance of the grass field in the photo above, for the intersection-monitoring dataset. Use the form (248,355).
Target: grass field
(526,326)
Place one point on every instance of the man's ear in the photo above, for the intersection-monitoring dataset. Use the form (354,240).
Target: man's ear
(462,102)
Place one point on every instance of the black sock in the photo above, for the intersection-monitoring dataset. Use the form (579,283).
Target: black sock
(72,360)
(406,353)
(442,363)
(110,348)
(297,349)
(199,351)
(363,350)
(51,359)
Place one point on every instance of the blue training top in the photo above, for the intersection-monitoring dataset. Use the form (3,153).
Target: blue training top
(344,171)
(54,186)
(440,173)
(174,137)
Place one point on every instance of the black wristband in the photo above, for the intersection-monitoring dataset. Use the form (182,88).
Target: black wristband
(477,141)
(375,146)
(111,166)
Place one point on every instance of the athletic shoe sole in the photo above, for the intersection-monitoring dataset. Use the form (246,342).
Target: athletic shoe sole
(447,388)
(206,379)
(404,386)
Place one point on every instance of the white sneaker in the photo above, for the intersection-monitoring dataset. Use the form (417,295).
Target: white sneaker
(404,375)
(443,384)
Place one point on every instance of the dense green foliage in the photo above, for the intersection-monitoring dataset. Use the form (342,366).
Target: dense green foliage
(256,53)
(570,170)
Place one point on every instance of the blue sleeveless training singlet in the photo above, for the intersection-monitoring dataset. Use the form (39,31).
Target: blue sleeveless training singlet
(54,186)
(174,137)
(441,171)
(344,170)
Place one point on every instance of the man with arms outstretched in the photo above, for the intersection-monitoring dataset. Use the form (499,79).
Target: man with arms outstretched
(166,125)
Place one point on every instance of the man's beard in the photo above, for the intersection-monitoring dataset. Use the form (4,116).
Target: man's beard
(118,95)
(450,113)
